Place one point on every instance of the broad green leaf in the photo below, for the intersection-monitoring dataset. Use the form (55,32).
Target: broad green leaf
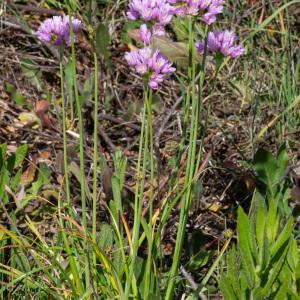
(105,237)
(114,214)
(32,71)
(226,288)
(232,270)
(265,166)
(4,180)
(246,249)
(260,225)
(43,178)
(20,155)
(103,41)
(88,91)
(118,262)
(257,201)
(3,148)
(293,256)
(282,162)
(139,272)
(265,253)
(284,236)
(15,182)
(274,273)
(286,275)
(117,193)
(15,94)
(272,221)
(120,165)
(293,295)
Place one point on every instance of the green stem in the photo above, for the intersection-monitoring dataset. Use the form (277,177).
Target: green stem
(138,203)
(81,146)
(95,157)
(64,124)
(150,242)
(200,95)
(190,167)
(66,242)
(69,252)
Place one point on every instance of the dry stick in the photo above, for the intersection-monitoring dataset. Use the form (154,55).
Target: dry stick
(106,138)
(191,281)
(169,115)
(201,169)
(37,10)
(36,132)
(119,121)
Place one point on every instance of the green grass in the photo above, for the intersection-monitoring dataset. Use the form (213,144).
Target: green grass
(124,258)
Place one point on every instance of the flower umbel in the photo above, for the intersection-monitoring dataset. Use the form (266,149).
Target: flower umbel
(209,8)
(157,12)
(145,35)
(223,42)
(154,66)
(56,30)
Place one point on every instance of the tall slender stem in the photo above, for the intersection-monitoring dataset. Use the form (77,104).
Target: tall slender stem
(150,241)
(190,166)
(64,125)
(71,259)
(138,202)
(95,156)
(81,146)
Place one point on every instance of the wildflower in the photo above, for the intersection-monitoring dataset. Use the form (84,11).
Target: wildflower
(214,9)
(209,8)
(153,66)
(223,42)
(56,30)
(158,12)
(145,34)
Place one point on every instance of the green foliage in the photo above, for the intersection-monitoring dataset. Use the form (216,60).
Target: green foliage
(271,172)
(8,164)
(199,256)
(32,71)
(181,29)
(17,97)
(269,169)
(264,264)
(102,42)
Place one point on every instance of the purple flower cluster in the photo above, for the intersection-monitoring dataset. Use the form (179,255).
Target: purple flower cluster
(154,65)
(209,8)
(145,35)
(56,30)
(158,12)
(223,42)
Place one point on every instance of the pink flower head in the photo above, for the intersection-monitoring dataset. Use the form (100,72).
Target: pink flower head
(222,42)
(209,8)
(145,34)
(56,30)
(155,66)
(159,12)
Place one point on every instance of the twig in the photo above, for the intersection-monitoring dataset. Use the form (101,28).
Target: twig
(191,281)
(119,121)
(169,115)
(106,138)
(37,10)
